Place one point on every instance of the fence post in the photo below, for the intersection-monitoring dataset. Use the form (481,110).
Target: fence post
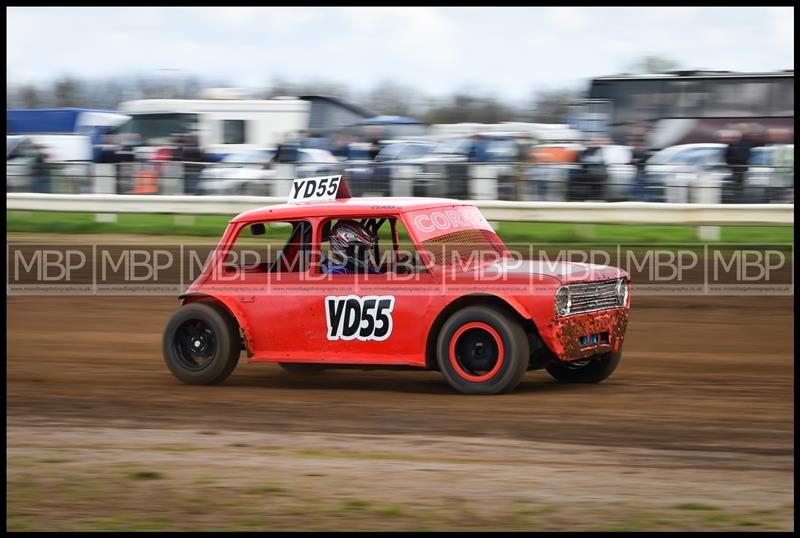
(105,179)
(709,233)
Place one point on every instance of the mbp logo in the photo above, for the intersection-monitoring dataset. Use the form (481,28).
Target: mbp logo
(364,318)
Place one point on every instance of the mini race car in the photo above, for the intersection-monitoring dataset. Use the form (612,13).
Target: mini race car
(443,293)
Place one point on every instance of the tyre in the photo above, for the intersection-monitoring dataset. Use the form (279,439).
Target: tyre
(482,350)
(593,370)
(201,344)
(301,368)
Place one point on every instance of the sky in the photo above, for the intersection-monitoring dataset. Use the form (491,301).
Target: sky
(507,52)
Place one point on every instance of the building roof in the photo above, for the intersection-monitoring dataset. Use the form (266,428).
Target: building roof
(339,102)
(683,74)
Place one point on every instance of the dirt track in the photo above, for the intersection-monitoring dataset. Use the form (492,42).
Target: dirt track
(693,431)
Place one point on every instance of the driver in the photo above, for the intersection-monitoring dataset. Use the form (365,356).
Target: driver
(352,250)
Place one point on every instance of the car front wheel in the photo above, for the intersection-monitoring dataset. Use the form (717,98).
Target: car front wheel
(482,350)
(592,370)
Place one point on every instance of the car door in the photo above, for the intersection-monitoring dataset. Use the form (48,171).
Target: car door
(369,318)
(265,276)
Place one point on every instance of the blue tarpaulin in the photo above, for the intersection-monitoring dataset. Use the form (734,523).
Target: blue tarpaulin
(52,121)
(388,120)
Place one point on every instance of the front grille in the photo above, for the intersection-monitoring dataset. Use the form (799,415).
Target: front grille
(593,296)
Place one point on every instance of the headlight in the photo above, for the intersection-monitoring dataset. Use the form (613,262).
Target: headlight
(622,291)
(563,302)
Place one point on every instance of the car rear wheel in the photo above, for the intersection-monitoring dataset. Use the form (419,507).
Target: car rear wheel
(201,344)
(593,370)
(482,350)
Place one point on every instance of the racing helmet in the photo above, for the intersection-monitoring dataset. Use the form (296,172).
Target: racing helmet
(352,244)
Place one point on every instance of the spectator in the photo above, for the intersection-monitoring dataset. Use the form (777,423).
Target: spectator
(125,157)
(737,155)
(477,149)
(640,154)
(589,183)
(40,169)
(340,146)
(193,158)
(783,161)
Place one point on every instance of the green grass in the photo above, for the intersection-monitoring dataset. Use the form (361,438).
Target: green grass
(695,506)
(392,510)
(124,523)
(212,226)
(355,504)
(267,488)
(146,475)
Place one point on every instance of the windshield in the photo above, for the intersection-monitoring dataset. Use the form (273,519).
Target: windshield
(159,126)
(316,156)
(260,156)
(415,151)
(501,150)
(390,152)
(466,248)
(456,235)
(663,156)
(454,145)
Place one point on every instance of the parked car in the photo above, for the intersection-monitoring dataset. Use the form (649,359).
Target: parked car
(485,166)
(359,169)
(399,165)
(266,171)
(687,173)
(770,177)
(68,159)
(445,170)
(555,165)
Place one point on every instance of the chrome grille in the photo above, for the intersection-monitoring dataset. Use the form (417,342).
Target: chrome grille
(593,296)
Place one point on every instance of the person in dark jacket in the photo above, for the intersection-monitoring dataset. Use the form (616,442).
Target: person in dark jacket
(737,156)
(193,158)
(589,181)
(641,152)
(40,170)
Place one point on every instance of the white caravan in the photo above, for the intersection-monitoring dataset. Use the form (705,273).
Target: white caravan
(223,126)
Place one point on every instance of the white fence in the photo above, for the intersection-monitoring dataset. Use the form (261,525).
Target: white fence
(568,212)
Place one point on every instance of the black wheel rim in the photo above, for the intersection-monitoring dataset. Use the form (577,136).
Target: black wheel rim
(476,352)
(195,345)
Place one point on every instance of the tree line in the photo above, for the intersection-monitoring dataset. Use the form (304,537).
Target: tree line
(385,97)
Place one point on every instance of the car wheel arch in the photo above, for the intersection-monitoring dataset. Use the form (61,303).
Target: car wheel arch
(507,304)
(229,307)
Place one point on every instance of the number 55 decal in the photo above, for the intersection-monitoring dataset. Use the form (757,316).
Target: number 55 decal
(363,318)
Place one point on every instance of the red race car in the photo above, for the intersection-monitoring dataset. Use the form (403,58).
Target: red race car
(402,283)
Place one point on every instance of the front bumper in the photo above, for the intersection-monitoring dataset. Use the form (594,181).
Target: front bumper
(584,335)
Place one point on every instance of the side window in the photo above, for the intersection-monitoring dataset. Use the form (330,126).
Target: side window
(408,152)
(271,247)
(288,154)
(233,131)
(384,258)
